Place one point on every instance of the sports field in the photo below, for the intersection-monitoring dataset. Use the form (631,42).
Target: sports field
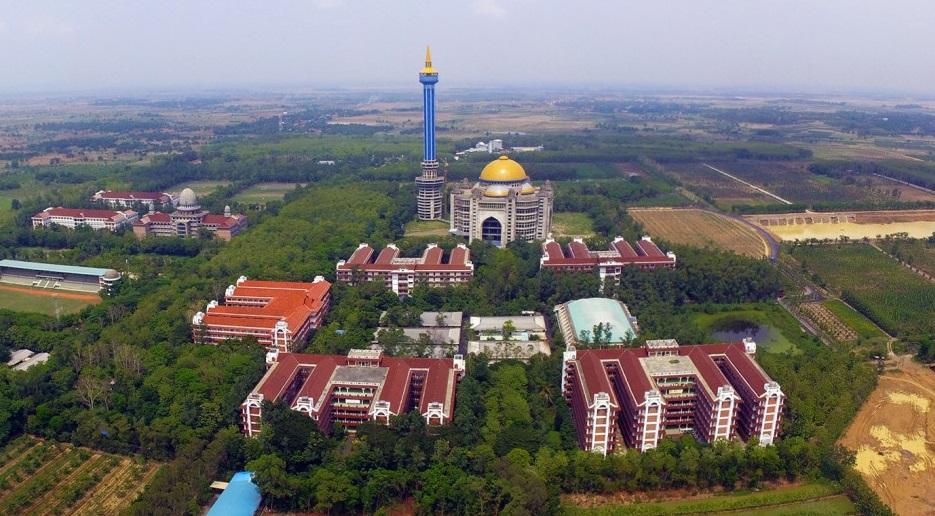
(265,192)
(25,299)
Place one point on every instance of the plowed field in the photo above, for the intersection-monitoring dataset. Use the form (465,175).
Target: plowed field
(703,229)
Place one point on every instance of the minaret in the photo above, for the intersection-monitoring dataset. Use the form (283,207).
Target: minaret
(430,185)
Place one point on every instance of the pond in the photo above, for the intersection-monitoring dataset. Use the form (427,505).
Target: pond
(767,338)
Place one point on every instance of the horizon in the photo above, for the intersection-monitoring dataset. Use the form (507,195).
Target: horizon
(837,47)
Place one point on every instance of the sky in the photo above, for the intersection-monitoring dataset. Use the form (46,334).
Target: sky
(819,46)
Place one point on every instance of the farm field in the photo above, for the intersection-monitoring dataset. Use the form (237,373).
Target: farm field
(422,228)
(567,224)
(906,192)
(45,478)
(25,299)
(724,190)
(898,300)
(856,322)
(264,192)
(785,500)
(793,182)
(892,436)
(200,187)
(699,228)
(918,253)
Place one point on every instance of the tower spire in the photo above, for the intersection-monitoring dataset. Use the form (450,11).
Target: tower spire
(428,70)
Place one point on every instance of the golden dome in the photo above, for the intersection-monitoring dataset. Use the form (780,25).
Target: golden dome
(528,188)
(503,170)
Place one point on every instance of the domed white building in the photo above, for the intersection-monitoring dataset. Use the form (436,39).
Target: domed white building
(188,219)
(502,206)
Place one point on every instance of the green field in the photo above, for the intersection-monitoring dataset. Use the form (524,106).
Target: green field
(918,253)
(264,192)
(805,499)
(200,187)
(898,300)
(40,302)
(572,225)
(420,228)
(860,324)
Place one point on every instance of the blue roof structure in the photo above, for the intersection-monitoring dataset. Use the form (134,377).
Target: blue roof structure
(587,313)
(50,267)
(241,498)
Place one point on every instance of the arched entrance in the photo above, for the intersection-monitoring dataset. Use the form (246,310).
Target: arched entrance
(492,231)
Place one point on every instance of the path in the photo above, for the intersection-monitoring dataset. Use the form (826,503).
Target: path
(771,242)
(757,188)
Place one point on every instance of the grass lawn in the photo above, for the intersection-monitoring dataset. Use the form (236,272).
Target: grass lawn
(200,187)
(264,192)
(799,499)
(572,225)
(421,228)
(41,302)
(860,324)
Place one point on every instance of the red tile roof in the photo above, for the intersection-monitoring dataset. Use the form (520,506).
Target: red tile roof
(79,213)
(620,253)
(291,302)
(432,259)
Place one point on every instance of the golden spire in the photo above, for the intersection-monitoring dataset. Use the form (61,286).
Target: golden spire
(428,70)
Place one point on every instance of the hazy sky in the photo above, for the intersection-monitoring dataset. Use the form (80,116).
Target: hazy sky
(801,45)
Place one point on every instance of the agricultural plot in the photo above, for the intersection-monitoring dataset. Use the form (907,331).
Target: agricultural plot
(918,253)
(699,228)
(853,320)
(827,321)
(718,186)
(425,228)
(895,298)
(793,181)
(46,478)
(262,193)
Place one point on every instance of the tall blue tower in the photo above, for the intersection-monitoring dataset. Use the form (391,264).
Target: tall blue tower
(429,184)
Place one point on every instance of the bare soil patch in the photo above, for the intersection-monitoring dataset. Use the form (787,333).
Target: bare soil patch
(893,436)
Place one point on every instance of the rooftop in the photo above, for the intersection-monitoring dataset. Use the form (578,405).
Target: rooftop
(51,267)
(241,498)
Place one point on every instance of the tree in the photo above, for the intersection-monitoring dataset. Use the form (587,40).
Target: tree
(269,474)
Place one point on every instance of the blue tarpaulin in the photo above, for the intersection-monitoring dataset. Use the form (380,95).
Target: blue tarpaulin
(241,498)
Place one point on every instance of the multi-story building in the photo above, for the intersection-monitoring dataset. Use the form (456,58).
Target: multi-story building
(402,274)
(637,396)
(74,217)
(430,184)
(608,264)
(362,386)
(502,206)
(129,199)
(189,219)
(278,314)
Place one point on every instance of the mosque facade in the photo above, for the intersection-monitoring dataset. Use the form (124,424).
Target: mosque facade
(502,206)
(188,219)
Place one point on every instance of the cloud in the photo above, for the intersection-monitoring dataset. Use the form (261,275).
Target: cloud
(489,8)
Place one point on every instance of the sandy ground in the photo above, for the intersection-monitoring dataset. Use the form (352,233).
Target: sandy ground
(893,436)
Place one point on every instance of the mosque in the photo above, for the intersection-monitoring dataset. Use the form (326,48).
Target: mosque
(188,219)
(501,207)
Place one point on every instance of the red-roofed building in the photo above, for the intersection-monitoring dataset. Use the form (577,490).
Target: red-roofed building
(360,387)
(74,217)
(637,396)
(278,314)
(402,274)
(189,219)
(129,199)
(645,255)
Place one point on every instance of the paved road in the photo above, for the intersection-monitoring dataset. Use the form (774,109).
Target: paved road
(773,243)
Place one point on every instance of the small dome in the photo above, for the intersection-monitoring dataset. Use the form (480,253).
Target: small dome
(497,191)
(188,198)
(503,170)
(111,274)
(528,188)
